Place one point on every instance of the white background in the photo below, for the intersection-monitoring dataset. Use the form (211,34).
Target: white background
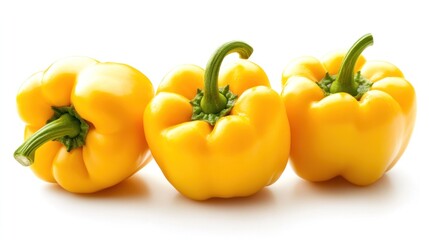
(154,37)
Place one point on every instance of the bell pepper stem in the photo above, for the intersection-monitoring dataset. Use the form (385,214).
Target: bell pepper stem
(213,101)
(345,81)
(65,125)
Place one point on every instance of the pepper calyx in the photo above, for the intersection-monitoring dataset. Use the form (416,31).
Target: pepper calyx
(71,142)
(211,118)
(364,85)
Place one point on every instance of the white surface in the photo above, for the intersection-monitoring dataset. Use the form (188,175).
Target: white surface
(156,36)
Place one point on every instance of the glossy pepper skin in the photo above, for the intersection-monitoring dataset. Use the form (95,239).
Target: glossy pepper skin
(236,155)
(334,133)
(96,109)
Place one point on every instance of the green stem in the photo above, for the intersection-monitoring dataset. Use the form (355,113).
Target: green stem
(65,125)
(213,101)
(345,81)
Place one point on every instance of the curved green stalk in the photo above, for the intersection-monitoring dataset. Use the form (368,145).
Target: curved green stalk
(212,103)
(345,80)
(65,126)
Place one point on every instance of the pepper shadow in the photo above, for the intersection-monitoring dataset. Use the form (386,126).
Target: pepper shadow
(131,188)
(234,211)
(383,193)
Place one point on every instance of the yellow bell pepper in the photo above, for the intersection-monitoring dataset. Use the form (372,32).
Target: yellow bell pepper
(93,112)
(348,117)
(215,143)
